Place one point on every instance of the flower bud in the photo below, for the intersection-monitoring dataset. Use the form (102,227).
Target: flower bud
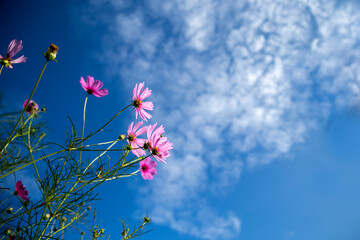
(82,233)
(46,216)
(146,219)
(55,229)
(122,136)
(128,147)
(51,53)
(63,219)
(9,210)
(43,109)
(88,208)
(125,232)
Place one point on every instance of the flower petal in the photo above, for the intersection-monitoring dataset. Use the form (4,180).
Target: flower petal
(83,84)
(90,81)
(19,60)
(147,105)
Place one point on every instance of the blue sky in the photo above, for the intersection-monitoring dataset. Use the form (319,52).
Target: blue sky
(260,98)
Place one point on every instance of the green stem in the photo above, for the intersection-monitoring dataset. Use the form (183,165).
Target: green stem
(100,156)
(134,161)
(22,213)
(109,121)
(30,150)
(27,164)
(83,127)
(5,200)
(2,66)
(96,144)
(42,215)
(56,210)
(23,111)
(118,176)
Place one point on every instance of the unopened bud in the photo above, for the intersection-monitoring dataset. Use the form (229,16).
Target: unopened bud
(8,231)
(82,233)
(43,109)
(146,219)
(122,136)
(128,147)
(101,231)
(9,210)
(51,53)
(46,216)
(88,208)
(55,229)
(64,219)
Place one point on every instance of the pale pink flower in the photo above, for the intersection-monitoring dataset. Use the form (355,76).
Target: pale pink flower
(13,48)
(32,107)
(138,103)
(158,145)
(93,87)
(148,168)
(135,142)
(21,191)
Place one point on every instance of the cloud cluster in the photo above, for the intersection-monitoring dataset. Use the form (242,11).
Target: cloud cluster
(236,83)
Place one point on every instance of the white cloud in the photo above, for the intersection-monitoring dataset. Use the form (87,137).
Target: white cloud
(249,78)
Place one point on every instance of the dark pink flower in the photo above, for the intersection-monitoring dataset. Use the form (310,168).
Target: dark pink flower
(138,103)
(135,142)
(158,145)
(93,87)
(32,107)
(21,191)
(14,47)
(148,168)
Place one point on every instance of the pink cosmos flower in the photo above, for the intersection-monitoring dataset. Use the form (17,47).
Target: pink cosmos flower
(93,87)
(14,47)
(158,145)
(135,142)
(138,103)
(148,168)
(21,191)
(32,107)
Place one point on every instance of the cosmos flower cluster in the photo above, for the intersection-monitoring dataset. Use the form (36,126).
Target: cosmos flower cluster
(156,144)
